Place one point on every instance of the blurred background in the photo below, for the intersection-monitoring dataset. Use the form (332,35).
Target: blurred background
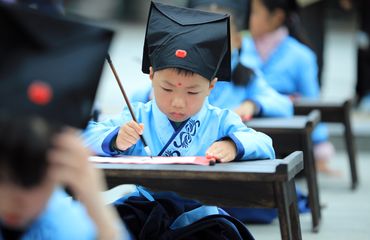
(339,30)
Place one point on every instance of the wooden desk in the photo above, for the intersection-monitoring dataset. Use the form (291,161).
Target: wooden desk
(294,134)
(264,183)
(335,112)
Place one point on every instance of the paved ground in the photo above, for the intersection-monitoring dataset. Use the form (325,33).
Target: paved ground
(345,214)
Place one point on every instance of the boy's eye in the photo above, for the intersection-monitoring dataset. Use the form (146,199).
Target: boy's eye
(193,93)
(167,89)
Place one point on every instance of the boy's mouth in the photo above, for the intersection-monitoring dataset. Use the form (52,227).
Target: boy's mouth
(177,116)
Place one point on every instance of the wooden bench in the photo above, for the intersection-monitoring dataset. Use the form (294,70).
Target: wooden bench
(335,112)
(264,183)
(294,134)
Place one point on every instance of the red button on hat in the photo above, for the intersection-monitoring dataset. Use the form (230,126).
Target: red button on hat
(181,53)
(39,93)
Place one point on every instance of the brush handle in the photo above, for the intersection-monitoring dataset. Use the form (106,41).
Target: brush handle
(146,147)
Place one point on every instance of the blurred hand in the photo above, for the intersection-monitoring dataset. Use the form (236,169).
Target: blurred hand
(222,151)
(128,135)
(70,166)
(295,97)
(246,110)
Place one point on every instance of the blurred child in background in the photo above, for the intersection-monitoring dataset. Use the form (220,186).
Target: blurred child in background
(277,47)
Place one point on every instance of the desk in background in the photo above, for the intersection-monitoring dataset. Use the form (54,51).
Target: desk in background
(294,134)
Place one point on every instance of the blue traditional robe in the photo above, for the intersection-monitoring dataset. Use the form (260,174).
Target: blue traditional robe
(61,219)
(269,102)
(192,138)
(290,69)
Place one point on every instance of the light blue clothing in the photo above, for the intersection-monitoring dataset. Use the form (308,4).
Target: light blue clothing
(62,219)
(192,138)
(269,102)
(291,69)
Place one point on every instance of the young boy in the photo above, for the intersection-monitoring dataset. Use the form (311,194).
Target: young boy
(185,52)
(34,163)
(37,159)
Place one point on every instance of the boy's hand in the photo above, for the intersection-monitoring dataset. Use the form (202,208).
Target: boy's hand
(69,165)
(223,151)
(128,135)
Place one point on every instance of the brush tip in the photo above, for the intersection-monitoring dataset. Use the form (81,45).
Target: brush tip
(148,151)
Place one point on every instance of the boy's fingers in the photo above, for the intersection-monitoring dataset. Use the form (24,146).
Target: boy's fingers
(128,129)
(211,151)
(210,154)
(129,133)
(216,150)
(129,139)
(136,127)
(69,141)
(63,158)
(220,155)
(63,176)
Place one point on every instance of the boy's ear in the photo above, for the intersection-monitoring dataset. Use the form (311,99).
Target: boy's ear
(213,83)
(151,73)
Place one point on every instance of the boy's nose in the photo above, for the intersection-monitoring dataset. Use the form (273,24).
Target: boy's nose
(178,102)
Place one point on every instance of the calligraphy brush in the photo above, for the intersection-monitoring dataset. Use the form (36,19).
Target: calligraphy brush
(146,147)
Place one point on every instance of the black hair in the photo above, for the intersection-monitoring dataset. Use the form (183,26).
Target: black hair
(184,72)
(292,19)
(23,148)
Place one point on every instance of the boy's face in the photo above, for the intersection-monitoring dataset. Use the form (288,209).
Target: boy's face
(180,96)
(19,206)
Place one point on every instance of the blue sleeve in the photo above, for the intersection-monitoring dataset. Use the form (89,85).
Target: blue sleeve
(307,74)
(250,144)
(62,218)
(98,136)
(270,102)
(65,218)
(320,133)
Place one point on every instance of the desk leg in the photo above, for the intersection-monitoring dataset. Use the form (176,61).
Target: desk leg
(294,214)
(311,176)
(350,145)
(286,200)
